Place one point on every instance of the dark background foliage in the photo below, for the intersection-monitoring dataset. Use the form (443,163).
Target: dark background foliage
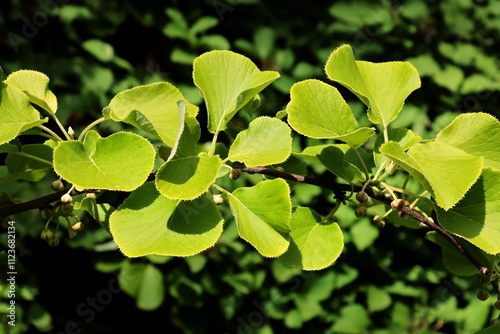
(386,281)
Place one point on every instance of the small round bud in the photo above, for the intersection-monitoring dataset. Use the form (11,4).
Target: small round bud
(235,174)
(66,198)
(90,195)
(218,199)
(495,322)
(361,196)
(53,242)
(378,221)
(497,304)
(360,211)
(397,204)
(78,226)
(483,295)
(46,235)
(57,185)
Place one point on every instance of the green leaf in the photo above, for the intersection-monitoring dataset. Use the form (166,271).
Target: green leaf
(377,299)
(353,319)
(187,177)
(21,167)
(445,171)
(262,214)
(16,113)
(333,158)
(227,81)
(149,223)
(36,86)
(99,49)
(317,110)
(99,211)
(267,141)
(363,234)
(405,137)
(383,87)
(151,108)
(144,282)
(476,217)
(121,161)
(475,133)
(314,245)
(203,24)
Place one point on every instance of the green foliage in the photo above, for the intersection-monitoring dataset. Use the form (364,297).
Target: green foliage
(393,144)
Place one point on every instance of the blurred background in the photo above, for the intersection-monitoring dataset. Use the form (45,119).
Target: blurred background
(386,281)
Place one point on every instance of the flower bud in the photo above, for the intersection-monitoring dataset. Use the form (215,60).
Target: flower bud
(46,235)
(57,185)
(53,242)
(66,198)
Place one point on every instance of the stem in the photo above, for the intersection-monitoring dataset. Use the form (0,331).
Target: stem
(212,147)
(90,126)
(367,174)
(53,135)
(34,158)
(61,127)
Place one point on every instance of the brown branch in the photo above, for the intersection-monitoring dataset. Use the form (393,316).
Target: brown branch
(337,188)
(37,203)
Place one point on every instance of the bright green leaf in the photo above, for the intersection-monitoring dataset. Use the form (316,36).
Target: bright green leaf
(121,161)
(476,217)
(187,177)
(228,81)
(149,223)
(332,157)
(447,172)
(317,110)
(314,244)
(262,214)
(36,86)
(16,113)
(475,133)
(383,87)
(151,108)
(267,141)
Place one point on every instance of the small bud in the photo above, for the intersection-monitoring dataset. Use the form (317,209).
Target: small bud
(78,226)
(378,221)
(483,295)
(398,204)
(360,211)
(497,304)
(71,132)
(71,233)
(66,198)
(57,185)
(218,199)
(53,242)
(90,195)
(235,174)
(361,196)
(46,235)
